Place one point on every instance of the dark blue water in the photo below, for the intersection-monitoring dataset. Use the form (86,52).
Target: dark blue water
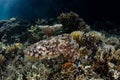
(33,9)
(40,8)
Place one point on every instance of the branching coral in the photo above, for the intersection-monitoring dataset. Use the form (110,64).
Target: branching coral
(114,70)
(84,54)
(13,47)
(70,21)
(83,26)
(38,71)
(117,55)
(36,32)
(2,47)
(108,55)
(92,39)
(69,69)
(112,41)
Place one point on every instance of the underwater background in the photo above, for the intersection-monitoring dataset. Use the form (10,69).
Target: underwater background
(91,11)
(59,40)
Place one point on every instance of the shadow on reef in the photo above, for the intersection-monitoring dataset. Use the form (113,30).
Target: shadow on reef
(63,49)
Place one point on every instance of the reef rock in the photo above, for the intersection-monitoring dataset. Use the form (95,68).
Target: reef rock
(13,28)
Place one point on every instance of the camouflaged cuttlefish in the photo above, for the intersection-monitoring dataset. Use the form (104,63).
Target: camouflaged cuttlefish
(52,48)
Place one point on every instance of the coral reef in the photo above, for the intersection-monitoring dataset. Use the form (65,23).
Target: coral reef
(74,53)
(50,30)
(2,47)
(92,39)
(77,35)
(36,33)
(83,26)
(2,59)
(13,48)
(14,29)
(112,41)
(70,21)
(69,69)
(38,71)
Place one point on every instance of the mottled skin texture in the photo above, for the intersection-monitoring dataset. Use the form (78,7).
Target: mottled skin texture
(53,47)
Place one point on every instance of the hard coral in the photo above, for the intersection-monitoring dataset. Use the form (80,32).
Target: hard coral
(106,53)
(13,47)
(92,39)
(70,21)
(37,71)
(112,41)
(117,55)
(2,59)
(36,32)
(83,26)
(84,52)
(52,48)
(69,69)
(77,35)
(50,30)
(2,47)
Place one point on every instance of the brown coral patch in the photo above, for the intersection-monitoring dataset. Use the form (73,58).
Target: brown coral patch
(68,69)
(2,59)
